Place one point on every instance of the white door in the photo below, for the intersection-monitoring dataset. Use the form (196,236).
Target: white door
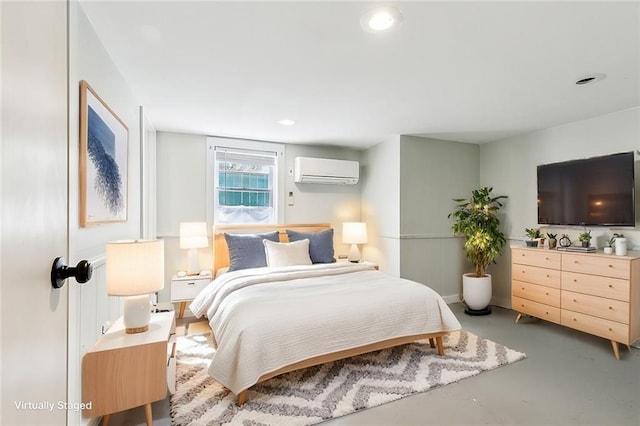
(33,315)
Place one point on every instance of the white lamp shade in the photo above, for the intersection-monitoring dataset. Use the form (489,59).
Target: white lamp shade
(354,233)
(135,267)
(193,235)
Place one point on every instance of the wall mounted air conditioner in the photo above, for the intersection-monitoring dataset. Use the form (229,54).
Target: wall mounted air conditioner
(324,170)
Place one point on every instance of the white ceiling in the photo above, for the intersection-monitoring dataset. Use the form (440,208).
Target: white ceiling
(471,72)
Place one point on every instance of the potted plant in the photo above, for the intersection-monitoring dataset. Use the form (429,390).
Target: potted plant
(585,238)
(608,245)
(534,237)
(552,240)
(477,221)
(621,244)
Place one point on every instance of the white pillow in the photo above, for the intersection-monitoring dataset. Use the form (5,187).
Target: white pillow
(287,254)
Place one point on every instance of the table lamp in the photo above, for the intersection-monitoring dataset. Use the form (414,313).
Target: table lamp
(193,235)
(135,269)
(354,233)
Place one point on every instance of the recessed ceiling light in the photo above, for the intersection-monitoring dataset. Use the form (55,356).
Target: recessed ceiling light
(589,79)
(287,122)
(380,19)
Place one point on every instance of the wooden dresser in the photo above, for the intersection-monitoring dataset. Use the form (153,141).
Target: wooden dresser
(592,292)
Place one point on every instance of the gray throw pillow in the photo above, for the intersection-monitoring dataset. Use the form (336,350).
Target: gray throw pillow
(247,250)
(320,244)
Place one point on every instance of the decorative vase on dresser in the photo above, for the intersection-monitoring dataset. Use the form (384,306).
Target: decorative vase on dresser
(590,292)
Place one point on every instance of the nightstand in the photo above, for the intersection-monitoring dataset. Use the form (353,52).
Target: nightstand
(123,371)
(185,289)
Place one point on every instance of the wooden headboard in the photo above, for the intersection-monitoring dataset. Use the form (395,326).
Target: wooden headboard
(221,251)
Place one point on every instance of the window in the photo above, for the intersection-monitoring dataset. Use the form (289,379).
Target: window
(242,181)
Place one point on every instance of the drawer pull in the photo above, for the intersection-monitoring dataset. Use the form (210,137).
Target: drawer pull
(522,288)
(192,283)
(575,301)
(575,320)
(547,293)
(546,258)
(610,308)
(610,329)
(522,305)
(575,261)
(547,313)
(548,276)
(610,285)
(610,266)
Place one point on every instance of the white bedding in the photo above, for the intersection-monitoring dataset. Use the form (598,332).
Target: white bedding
(266,318)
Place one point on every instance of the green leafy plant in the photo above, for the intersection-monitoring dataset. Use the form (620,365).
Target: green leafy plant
(551,236)
(616,235)
(585,236)
(611,241)
(533,233)
(477,221)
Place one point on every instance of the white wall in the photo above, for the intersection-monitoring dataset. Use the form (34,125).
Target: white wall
(509,166)
(432,173)
(381,204)
(89,306)
(181,174)
(316,203)
(406,197)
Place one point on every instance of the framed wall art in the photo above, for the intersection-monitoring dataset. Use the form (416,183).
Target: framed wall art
(104,144)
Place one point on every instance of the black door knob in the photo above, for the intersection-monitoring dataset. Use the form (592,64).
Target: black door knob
(59,272)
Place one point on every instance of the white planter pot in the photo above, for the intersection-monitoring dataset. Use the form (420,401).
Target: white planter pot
(608,250)
(621,246)
(476,291)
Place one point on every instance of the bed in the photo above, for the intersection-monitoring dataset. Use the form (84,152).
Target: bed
(296,313)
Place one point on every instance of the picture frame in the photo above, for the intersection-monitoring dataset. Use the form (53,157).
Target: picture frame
(104,157)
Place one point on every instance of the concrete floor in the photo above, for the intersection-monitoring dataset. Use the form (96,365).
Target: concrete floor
(568,378)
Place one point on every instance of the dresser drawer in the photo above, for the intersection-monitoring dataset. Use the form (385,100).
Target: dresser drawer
(606,266)
(187,289)
(536,275)
(611,288)
(610,309)
(597,326)
(536,293)
(536,257)
(538,310)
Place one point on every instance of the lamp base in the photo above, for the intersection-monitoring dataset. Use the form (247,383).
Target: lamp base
(137,313)
(193,268)
(135,330)
(354,254)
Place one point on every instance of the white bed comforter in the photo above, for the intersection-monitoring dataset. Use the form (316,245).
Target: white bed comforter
(266,318)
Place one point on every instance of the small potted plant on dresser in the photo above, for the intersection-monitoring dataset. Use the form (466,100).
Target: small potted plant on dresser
(476,220)
(608,245)
(552,240)
(585,238)
(621,244)
(534,237)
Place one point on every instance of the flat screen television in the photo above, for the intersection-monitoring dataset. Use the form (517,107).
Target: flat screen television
(597,191)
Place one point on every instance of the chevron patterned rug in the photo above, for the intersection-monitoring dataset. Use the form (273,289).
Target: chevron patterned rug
(331,390)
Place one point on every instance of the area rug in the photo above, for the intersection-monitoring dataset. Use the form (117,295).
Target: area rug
(319,393)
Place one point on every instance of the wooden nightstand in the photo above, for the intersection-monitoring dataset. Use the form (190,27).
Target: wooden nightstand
(185,289)
(123,371)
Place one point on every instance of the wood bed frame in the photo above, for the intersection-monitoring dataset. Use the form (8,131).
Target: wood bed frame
(221,260)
